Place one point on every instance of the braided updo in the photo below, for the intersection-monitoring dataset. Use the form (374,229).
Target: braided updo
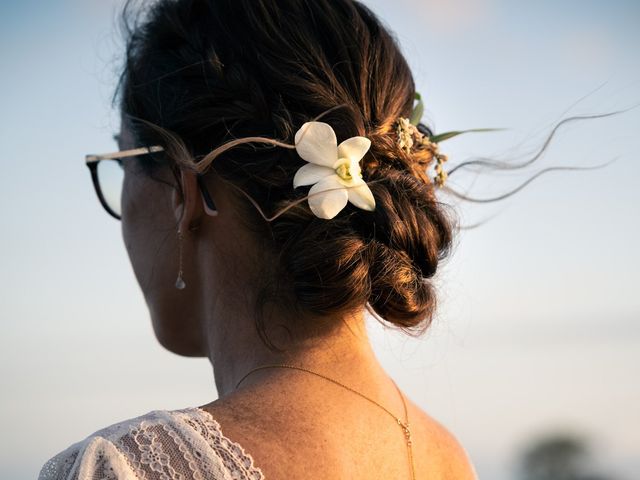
(200,73)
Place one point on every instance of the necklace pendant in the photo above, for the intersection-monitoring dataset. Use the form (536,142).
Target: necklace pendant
(407,432)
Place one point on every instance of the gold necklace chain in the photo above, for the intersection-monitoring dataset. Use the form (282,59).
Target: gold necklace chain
(404,425)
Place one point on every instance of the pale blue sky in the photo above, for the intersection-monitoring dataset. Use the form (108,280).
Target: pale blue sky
(539,327)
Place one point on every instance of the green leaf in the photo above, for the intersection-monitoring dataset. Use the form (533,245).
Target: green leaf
(446,135)
(418,110)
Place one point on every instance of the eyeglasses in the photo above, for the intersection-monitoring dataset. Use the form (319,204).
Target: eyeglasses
(107,174)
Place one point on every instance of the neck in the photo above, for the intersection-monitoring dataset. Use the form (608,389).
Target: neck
(345,354)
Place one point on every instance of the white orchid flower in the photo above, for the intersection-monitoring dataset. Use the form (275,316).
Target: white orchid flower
(332,169)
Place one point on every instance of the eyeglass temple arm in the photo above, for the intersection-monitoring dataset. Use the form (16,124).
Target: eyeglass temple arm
(92,158)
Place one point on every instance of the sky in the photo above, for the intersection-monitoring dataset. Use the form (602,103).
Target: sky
(538,329)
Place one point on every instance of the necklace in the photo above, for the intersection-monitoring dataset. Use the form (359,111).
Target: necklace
(404,425)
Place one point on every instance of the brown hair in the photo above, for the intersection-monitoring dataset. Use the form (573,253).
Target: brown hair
(202,73)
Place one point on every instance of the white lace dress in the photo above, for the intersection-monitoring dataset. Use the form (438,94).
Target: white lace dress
(160,445)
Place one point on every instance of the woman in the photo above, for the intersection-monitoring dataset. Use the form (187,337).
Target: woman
(238,106)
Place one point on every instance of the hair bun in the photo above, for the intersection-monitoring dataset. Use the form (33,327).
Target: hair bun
(411,233)
(399,293)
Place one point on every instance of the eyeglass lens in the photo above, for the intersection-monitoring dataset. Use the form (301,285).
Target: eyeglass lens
(111,178)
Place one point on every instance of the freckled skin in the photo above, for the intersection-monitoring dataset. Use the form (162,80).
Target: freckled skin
(294,424)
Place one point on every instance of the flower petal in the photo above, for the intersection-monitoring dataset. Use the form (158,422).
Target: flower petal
(330,199)
(316,143)
(311,173)
(354,148)
(362,197)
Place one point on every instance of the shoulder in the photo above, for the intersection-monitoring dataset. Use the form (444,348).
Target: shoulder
(186,443)
(452,459)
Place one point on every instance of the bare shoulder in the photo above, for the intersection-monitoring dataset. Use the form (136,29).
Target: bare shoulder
(437,453)
(445,450)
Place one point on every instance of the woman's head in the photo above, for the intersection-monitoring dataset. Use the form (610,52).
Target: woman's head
(210,71)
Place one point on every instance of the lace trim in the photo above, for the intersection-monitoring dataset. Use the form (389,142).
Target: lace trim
(160,445)
(231,452)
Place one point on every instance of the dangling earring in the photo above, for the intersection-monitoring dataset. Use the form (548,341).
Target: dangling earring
(179,281)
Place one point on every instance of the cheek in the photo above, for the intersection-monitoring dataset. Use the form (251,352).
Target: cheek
(147,226)
(136,193)
(131,201)
(146,199)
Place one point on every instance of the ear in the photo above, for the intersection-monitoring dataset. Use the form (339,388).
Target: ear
(187,209)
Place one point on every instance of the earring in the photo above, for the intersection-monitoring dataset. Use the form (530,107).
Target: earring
(179,281)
